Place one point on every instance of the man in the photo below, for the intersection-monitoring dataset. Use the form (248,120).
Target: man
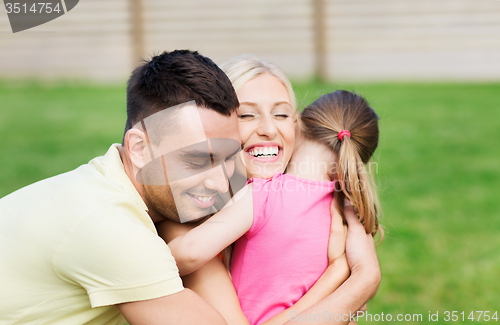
(82,247)
(76,246)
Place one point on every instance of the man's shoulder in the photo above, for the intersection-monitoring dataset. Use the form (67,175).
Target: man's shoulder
(81,191)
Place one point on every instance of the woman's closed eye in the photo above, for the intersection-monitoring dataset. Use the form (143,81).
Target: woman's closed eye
(282,116)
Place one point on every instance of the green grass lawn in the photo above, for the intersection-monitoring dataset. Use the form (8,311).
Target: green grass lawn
(438,170)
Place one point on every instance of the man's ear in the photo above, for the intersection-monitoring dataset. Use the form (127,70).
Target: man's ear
(136,147)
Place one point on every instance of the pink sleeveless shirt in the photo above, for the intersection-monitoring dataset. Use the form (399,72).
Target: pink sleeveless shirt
(285,251)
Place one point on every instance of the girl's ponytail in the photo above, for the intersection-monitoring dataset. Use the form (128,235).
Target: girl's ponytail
(355,184)
(344,122)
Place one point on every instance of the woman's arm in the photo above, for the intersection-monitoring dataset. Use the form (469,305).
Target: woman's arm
(195,248)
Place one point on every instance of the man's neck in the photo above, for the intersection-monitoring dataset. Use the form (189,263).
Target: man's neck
(129,170)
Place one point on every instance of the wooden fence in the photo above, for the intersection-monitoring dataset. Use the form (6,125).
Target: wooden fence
(331,39)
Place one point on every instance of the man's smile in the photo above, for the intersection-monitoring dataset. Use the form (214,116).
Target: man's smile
(203,201)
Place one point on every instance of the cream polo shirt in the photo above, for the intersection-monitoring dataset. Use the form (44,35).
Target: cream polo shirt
(74,245)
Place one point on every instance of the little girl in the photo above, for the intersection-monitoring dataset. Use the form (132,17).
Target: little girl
(281,226)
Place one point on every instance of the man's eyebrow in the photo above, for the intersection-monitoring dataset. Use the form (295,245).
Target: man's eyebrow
(195,153)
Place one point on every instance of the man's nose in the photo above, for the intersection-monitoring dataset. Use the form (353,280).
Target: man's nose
(217,179)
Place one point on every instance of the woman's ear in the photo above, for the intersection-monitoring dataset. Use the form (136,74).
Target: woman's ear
(136,145)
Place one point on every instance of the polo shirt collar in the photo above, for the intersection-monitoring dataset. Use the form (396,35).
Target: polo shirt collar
(113,161)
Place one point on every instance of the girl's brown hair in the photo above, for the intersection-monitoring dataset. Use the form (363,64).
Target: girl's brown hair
(322,121)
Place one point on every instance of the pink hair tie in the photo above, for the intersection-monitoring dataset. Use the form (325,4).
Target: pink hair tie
(342,133)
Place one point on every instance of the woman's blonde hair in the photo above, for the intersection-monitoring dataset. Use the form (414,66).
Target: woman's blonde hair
(322,121)
(243,68)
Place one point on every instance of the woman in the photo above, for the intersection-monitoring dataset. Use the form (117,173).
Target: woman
(267,118)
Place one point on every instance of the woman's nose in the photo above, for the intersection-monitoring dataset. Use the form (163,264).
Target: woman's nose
(266,127)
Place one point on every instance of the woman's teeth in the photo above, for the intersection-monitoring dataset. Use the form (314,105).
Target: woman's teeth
(264,151)
(203,198)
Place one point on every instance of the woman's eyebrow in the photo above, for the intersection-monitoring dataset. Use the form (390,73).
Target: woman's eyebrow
(248,103)
(282,103)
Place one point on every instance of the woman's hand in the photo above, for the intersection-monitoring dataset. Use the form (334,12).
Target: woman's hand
(337,230)
(360,253)
(360,248)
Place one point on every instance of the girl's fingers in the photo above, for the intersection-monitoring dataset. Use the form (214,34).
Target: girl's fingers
(338,234)
(337,225)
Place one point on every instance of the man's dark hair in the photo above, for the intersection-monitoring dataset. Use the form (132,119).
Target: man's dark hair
(176,77)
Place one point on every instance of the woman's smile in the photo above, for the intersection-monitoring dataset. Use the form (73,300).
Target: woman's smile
(265,151)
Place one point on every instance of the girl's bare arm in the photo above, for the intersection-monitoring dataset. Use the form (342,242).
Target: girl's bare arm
(212,281)
(195,248)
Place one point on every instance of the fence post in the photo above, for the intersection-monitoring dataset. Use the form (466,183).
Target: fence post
(137,31)
(320,58)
